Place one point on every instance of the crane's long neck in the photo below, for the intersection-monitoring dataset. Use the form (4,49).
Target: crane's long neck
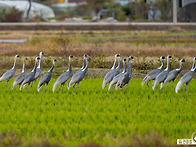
(180,69)
(52,67)
(69,66)
(23,68)
(114,65)
(119,64)
(84,63)
(85,69)
(124,65)
(129,68)
(168,65)
(35,67)
(194,69)
(162,64)
(14,67)
(193,63)
(40,62)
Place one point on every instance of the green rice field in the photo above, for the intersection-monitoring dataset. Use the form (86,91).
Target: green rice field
(90,114)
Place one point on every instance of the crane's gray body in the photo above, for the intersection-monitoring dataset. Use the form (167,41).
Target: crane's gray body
(126,77)
(64,77)
(174,73)
(20,78)
(162,76)
(111,74)
(78,76)
(9,74)
(29,77)
(153,74)
(45,78)
(117,77)
(186,78)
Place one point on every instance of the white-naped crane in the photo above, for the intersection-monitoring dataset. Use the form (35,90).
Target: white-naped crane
(186,78)
(64,77)
(9,74)
(117,77)
(173,74)
(79,75)
(125,79)
(162,76)
(39,68)
(45,78)
(112,73)
(19,79)
(118,67)
(30,77)
(153,73)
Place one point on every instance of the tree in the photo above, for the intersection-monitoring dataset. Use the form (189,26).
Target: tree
(97,5)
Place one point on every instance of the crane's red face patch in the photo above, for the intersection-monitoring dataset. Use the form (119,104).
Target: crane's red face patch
(124,59)
(170,56)
(42,53)
(71,56)
(118,55)
(17,56)
(54,60)
(163,57)
(38,58)
(26,58)
(183,60)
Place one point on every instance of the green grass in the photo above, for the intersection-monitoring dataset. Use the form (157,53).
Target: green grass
(92,114)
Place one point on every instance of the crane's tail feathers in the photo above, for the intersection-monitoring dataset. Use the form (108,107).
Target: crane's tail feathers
(104,84)
(69,84)
(178,86)
(55,86)
(110,85)
(13,85)
(154,85)
(162,84)
(144,81)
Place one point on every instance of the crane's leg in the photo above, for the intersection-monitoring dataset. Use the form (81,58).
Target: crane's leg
(127,87)
(173,84)
(60,88)
(147,83)
(63,88)
(42,88)
(32,84)
(74,85)
(6,83)
(78,84)
(167,85)
(186,89)
(46,86)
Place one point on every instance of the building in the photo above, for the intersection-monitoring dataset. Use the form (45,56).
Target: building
(69,3)
(23,5)
(187,10)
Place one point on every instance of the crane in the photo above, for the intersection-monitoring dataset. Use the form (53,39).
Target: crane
(117,77)
(152,74)
(110,75)
(45,78)
(162,76)
(9,74)
(30,77)
(78,76)
(186,78)
(39,68)
(64,77)
(19,79)
(173,74)
(127,76)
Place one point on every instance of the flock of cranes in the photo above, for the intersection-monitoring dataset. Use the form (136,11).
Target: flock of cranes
(113,77)
(22,79)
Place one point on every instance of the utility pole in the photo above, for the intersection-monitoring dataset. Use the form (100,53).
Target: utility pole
(174,11)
